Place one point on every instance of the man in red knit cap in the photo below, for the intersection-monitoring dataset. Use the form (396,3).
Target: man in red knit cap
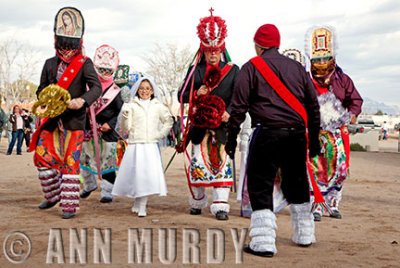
(281,100)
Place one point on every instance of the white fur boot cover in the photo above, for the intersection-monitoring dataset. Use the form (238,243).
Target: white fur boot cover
(106,189)
(262,233)
(220,200)
(89,180)
(199,200)
(303,223)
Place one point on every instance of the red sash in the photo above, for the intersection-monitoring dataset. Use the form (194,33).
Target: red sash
(65,81)
(295,104)
(110,95)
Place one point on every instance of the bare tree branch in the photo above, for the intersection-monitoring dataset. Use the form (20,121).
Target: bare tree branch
(167,64)
(18,63)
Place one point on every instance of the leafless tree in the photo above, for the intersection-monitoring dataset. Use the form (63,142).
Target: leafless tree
(18,65)
(168,65)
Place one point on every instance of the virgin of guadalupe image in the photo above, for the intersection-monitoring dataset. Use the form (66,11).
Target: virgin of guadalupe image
(68,24)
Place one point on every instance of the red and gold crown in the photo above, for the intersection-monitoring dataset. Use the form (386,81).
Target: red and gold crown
(212,33)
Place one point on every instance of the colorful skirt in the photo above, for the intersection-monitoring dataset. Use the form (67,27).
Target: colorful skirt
(108,151)
(210,165)
(329,167)
(59,149)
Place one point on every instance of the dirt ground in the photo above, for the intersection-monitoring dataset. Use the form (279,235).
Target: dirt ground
(367,236)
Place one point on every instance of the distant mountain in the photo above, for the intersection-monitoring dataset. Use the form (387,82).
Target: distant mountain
(371,107)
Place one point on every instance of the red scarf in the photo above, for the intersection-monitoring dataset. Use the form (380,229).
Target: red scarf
(67,55)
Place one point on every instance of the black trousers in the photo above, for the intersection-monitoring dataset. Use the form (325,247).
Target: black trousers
(110,177)
(27,138)
(270,150)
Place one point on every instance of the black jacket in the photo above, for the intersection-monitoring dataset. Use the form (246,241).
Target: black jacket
(109,115)
(72,119)
(254,95)
(224,90)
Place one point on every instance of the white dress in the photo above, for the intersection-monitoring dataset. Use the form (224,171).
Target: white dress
(141,172)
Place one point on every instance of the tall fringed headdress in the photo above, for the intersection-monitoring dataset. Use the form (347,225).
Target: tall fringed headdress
(294,54)
(321,42)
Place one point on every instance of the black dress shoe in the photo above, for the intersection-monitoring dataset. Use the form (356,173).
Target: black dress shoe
(195,211)
(305,245)
(222,215)
(68,215)
(106,199)
(317,217)
(267,254)
(336,214)
(85,194)
(46,205)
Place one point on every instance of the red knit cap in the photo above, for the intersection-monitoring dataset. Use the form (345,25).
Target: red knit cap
(267,36)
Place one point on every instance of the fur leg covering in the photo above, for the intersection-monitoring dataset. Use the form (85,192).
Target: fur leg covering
(220,200)
(303,223)
(262,233)
(333,198)
(51,183)
(106,189)
(89,180)
(200,198)
(70,193)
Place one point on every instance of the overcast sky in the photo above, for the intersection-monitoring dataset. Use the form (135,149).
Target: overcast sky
(368,30)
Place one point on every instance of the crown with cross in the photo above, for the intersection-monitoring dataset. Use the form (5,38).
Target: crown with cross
(212,32)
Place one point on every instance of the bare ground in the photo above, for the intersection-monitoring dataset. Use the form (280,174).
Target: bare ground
(367,236)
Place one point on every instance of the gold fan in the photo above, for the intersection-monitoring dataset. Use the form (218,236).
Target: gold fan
(53,101)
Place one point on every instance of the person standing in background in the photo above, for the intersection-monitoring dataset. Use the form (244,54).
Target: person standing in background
(17,124)
(27,127)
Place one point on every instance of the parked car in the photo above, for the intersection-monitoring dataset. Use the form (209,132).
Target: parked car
(368,125)
(355,128)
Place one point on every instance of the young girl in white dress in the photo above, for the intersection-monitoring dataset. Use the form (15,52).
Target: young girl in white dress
(146,120)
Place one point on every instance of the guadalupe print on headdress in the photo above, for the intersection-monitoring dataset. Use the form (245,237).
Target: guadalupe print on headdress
(330,166)
(121,79)
(69,23)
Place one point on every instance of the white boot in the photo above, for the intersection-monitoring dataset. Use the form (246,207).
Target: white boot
(106,189)
(89,180)
(142,202)
(199,201)
(262,233)
(135,207)
(303,223)
(220,200)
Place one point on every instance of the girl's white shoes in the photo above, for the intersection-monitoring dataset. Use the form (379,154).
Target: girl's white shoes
(139,206)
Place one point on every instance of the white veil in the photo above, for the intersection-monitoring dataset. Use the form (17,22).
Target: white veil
(123,123)
(135,87)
